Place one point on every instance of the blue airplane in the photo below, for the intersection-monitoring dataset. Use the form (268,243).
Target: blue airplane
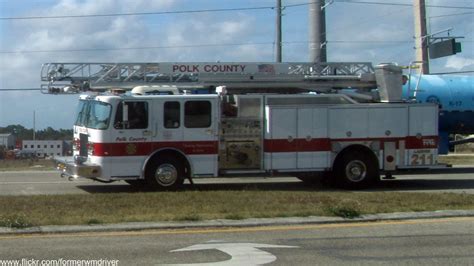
(455,96)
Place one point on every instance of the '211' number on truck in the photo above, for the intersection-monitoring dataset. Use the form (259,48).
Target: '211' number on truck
(421,159)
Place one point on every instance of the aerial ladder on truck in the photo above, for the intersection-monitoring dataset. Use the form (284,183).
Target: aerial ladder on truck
(316,129)
(237,77)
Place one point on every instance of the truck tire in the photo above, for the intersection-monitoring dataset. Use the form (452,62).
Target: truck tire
(355,170)
(165,174)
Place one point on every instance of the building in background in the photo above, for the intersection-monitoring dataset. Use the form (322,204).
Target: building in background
(7,141)
(44,148)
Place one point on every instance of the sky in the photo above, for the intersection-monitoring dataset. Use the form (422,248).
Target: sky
(377,32)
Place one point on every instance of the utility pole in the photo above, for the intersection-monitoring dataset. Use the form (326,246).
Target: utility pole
(34,125)
(421,35)
(278,31)
(317,31)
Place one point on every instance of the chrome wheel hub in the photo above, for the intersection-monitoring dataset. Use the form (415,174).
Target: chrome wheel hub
(356,171)
(166,174)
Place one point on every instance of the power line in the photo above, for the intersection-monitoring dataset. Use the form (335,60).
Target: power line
(453,72)
(134,48)
(372,3)
(205,45)
(400,4)
(343,41)
(137,13)
(152,13)
(452,15)
(215,10)
(22,89)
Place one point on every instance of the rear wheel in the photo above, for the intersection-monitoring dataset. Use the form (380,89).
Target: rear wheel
(165,174)
(355,170)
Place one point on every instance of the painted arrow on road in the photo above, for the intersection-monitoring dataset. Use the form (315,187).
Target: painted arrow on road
(241,253)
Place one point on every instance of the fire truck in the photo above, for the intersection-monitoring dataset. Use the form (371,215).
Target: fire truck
(157,124)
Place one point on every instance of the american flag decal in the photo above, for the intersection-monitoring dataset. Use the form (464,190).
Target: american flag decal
(266,68)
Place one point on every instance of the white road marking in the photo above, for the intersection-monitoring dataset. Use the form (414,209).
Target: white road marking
(241,253)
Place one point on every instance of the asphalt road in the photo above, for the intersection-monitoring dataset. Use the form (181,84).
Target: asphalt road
(49,182)
(411,242)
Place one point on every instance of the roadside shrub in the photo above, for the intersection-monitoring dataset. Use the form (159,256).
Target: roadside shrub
(349,209)
(94,221)
(15,221)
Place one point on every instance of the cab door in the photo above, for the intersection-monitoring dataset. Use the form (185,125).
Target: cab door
(131,138)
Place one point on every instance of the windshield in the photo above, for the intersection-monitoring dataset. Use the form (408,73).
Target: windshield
(93,114)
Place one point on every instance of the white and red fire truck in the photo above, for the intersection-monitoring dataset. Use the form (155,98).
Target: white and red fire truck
(151,124)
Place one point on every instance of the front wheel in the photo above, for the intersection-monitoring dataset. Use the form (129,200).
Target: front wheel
(165,174)
(355,170)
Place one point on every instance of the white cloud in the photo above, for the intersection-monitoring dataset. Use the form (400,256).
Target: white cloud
(458,63)
(203,30)
(370,33)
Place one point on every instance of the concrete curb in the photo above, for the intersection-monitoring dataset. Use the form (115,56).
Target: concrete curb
(222,223)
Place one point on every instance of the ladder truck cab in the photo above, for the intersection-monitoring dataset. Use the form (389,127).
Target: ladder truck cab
(156,124)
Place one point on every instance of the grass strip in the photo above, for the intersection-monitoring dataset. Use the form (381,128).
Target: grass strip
(457,159)
(22,165)
(25,211)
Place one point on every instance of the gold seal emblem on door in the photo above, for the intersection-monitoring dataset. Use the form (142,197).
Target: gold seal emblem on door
(131,149)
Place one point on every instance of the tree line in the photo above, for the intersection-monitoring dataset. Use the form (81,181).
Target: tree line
(48,133)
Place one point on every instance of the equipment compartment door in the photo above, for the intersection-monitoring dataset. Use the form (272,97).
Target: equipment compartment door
(280,139)
(314,148)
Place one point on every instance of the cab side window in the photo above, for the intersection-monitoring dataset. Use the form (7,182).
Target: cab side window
(197,114)
(171,115)
(137,115)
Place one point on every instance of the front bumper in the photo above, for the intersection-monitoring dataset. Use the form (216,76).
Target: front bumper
(72,168)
